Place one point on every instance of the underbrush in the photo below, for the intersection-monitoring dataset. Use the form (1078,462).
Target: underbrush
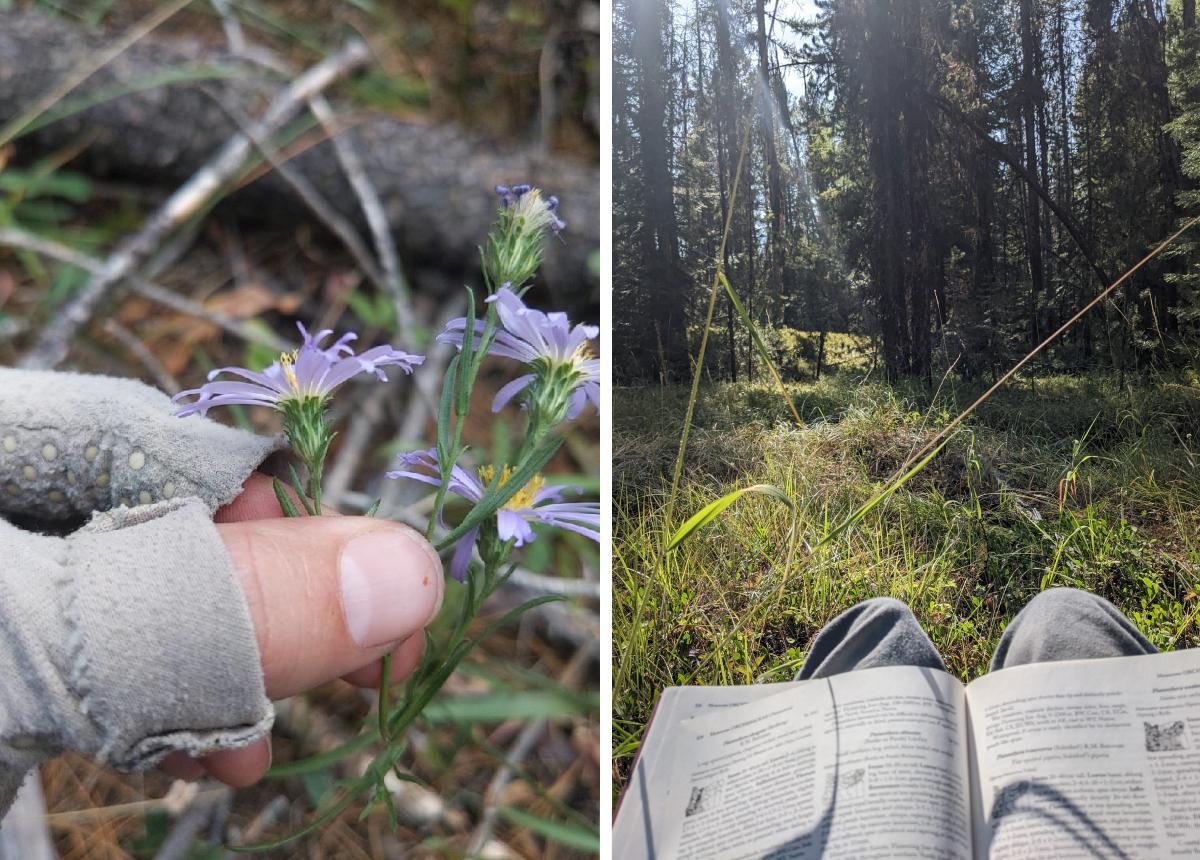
(1063,481)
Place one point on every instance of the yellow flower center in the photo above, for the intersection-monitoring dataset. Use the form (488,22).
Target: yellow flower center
(524,498)
(287,361)
(582,353)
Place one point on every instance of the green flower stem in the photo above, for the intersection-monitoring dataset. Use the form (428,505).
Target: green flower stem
(464,382)
(495,497)
(385,686)
(316,474)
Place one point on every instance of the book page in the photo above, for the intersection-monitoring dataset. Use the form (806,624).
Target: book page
(636,830)
(869,764)
(1088,758)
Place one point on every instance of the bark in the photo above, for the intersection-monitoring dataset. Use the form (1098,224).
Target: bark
(726,76)
(435,181)
(659,234)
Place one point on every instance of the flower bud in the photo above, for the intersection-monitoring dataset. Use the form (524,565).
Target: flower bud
(514,249)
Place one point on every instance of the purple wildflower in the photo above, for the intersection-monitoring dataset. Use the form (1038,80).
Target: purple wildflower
(510,195)
(547,343)
(533,503)
(527,202)
(311,372)
(557,225)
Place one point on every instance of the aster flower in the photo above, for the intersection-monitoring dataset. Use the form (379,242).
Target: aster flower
(298,385)
(533,503)
(514,248)
(565,374)
(310,372)
(526,201)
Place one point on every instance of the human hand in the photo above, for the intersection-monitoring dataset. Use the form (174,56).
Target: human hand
(150,632)
(328,597)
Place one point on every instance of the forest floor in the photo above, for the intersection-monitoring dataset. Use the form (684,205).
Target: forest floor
(1065,481)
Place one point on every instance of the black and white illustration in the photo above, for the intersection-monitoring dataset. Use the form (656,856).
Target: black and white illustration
(703,798)
(852,784)
(1167,737)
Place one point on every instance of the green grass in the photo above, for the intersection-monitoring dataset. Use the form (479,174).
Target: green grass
(1056,481)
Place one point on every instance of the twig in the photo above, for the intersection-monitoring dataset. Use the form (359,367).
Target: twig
(548,64)
(392,280)
(372,207)
(539,584)
(262,822)
(16,238)
(313,199)
(190,822)
(424,383)
(153,366)
(174,801)
(234,34)
(355,440)
(520,749)
(190,198)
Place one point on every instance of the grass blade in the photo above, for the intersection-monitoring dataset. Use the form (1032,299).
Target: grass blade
(567,835)
(887,491)
(759,345)
(713,509)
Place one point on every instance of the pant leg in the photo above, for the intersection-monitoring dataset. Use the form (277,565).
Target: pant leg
(881,631)
(1068,624)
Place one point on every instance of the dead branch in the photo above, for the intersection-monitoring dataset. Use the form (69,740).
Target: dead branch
(142,353)
(433,181)
(14,237)
(206,184)
(372,208)
(337,224)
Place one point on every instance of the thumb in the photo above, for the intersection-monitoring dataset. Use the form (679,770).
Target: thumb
(328,595)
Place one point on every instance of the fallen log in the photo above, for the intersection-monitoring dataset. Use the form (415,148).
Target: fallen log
(434,180)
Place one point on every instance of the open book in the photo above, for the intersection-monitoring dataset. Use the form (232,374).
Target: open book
(1087,759)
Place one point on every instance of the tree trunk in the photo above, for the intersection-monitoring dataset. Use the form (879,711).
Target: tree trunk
(659,234)
(775,212)
(1030,97)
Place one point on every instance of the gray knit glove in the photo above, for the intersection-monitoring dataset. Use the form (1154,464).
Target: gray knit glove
(128,638)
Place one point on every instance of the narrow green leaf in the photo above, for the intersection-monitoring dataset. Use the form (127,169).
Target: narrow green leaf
(285,501)
(444,425)
(759,344)
(511,616)
(713,509)
(494,499)
(466,383)
(324,760)
(500,707)
(166,78)
(299,487)
(887,491)
(568,835)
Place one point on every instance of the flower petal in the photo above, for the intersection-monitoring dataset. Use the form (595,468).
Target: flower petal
(511,390)
(512,525)
(460,563)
